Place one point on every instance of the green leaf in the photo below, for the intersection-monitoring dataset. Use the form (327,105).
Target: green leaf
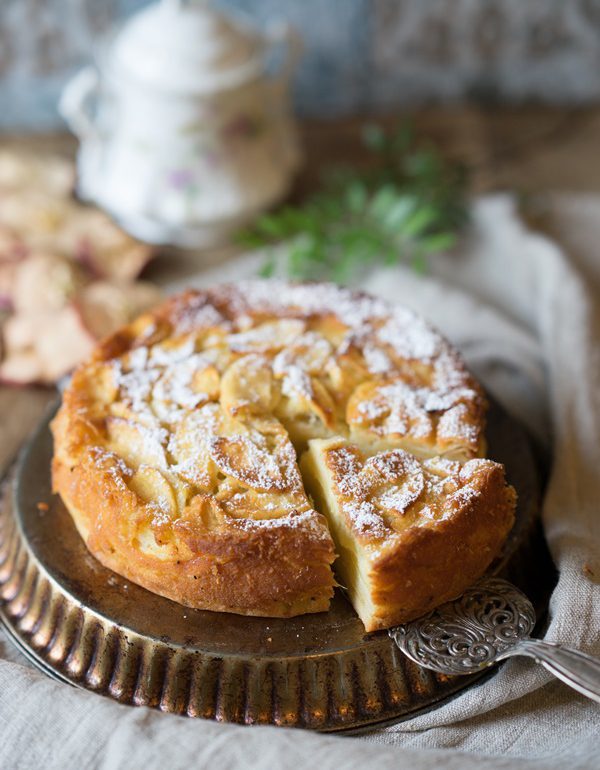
(250,239)
(391,256)
(382,201)
(356,196)
(409,203)
(267,269)
(374,136)
(400,212)
(418,222)
(419,263)
(439,242)
(403,138)
(270,224)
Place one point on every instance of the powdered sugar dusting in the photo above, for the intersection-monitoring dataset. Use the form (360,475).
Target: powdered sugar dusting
(296,382)
(305,520)
(272,335)
(194,311)
(245,460)
(401,408)
(365,519)
(442,465)
(457,423)
(376,493)
(114,465)
(346,465)
(394,465)
(173,391)
(304,300)
(272,317)
(318,344)
(410,337)
(377,360)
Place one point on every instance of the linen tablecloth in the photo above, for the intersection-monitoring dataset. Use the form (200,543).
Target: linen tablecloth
(526,314)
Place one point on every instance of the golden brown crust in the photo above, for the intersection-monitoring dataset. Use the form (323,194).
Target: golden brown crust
(430,401)
(278,572)
(435,563)
(172,445)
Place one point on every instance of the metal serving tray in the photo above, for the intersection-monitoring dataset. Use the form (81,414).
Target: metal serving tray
(85,625)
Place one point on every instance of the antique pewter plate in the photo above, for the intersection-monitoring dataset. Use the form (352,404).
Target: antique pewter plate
(85,625)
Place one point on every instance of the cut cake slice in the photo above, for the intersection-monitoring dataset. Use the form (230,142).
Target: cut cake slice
(409,534)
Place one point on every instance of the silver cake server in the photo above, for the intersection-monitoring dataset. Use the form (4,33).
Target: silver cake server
(491,621)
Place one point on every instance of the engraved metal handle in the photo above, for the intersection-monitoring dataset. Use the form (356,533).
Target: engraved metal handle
(578,670)
(491,621)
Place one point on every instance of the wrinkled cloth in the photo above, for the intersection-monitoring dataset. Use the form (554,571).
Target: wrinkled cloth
(526,314)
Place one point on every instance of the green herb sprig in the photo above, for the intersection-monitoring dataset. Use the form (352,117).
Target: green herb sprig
(409,205)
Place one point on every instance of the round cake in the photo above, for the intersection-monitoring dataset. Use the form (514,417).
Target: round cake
(238,446)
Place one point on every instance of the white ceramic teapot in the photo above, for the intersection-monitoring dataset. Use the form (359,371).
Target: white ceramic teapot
(184,134)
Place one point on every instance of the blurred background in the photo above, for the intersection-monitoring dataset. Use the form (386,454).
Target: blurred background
(360,55)
(418,107)
(424,105)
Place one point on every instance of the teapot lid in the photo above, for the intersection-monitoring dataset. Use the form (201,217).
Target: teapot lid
(185,45)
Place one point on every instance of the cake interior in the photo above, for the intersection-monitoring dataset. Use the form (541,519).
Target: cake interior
(352,565)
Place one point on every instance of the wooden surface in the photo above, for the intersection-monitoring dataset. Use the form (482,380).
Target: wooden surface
(530,150)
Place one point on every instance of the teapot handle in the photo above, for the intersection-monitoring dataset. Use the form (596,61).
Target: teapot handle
(76,102)
(284,35)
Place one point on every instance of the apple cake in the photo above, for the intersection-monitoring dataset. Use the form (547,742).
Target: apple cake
(176,452)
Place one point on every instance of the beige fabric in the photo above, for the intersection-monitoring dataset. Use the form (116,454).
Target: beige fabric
(528,319)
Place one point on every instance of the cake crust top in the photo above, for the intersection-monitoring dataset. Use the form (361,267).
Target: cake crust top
(176,445)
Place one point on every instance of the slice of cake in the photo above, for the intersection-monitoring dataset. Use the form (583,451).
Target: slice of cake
(409,534)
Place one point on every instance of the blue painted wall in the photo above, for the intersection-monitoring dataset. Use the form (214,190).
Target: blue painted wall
(360,55)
